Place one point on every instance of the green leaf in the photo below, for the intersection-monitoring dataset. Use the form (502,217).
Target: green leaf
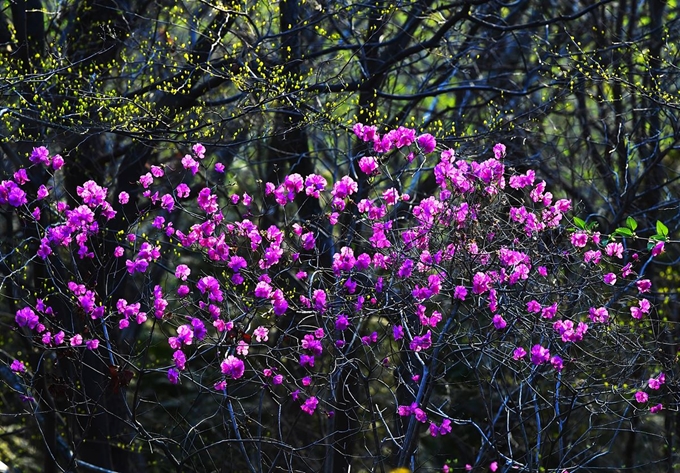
(624,231)
(631,223)
(580,223)
(661,229)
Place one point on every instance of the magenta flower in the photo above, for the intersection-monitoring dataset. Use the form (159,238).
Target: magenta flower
(183,190)
(237,263)
(609,278)
(368,339)
(309,342)
(319,300)
(344,187)
(190,163)
(57,162)
(314,185)
(579,239)
(368,165)
(310,404)
(18,366)
(42,192)
(422,342)
(92,194)
(550,311)
(656,408)
(627,270)
(199,150)
(233,367)
(644,285)
(308,241)
(557,362)
(20,177)
(261,334)
(198,328)
(499,322)
(343,261)
(656,383)
(242,348)
(167,202)
(614,249)
(539,355)
(279,302)
(533,307)
(445,427)
(480,283)
(519,353)
(641,397)
(599,315)
(26,318)
(592,256)
(420,415)
(180,359)
(40,155)
(341,322)
(173,375)
(11,193)
(207,201)
(365,133)
(460,292)
(658,248)
(137,266)
(570,334)
(427,142)
(212,286)
(307,360)
(263,290)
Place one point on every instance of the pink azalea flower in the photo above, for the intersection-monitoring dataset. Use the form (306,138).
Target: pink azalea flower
(182,272)
(641,397)
(310,404)
(232,367)
(427,142)
(18,366)
(656,383)
(519,353)
(261,334)
(644,285)
(658,248)
(368,165)
(539,355)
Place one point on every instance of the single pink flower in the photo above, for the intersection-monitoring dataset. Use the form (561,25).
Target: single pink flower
(641,397)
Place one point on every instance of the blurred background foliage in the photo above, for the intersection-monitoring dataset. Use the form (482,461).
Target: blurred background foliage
(586,92)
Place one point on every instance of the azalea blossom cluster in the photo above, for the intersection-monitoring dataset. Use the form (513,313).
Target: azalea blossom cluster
(463,268)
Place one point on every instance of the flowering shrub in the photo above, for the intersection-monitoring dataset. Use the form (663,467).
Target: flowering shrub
(475,310)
